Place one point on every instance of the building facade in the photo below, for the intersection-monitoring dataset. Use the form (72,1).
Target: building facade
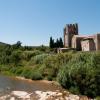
(69,31)
(72,39)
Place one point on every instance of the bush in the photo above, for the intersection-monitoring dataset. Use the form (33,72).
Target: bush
(18,71)
(53,63)
(39,59)
(37,76)
(27,72)
(49,78)
(15,58)
(74,90)
(82,73)
(27,55)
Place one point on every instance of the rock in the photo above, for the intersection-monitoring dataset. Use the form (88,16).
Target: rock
(59,94)
(12,98)
(73,97)
(57,90)
(61,98)
(21,94)
(4,97)
(66,92)
(46,95)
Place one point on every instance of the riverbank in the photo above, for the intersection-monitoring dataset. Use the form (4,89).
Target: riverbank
(57,94)
(41,81)
(27,89)
(40,95)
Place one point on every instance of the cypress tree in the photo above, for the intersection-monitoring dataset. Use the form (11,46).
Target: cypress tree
(51,44)
(57,43)
(60,43)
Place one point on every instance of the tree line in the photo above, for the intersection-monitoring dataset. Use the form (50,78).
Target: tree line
(56,44)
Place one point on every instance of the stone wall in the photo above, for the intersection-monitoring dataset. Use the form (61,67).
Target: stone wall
(69,31)
(88,44)
(76,42)
(97,42)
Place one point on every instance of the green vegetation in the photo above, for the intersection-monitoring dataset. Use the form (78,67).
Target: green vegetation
(79,72)
(82,74)
(57,44)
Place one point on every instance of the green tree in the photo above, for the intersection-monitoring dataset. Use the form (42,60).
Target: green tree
(60,43)
(51,43)
(17,45)
(57,43)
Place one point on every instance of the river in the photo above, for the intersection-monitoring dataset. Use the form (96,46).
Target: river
(12,83)
(17,88)
(9,84)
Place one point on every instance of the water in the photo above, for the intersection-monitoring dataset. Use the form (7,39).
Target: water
(8,84)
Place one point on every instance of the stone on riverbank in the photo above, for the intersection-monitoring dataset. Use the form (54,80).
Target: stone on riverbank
(16,95)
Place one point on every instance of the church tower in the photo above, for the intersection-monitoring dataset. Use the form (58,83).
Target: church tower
(69,31)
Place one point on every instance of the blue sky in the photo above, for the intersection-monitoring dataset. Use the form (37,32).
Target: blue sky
(33,21)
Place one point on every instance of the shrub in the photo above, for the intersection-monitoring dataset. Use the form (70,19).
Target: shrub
(36,76)
(53,63)
(27,55)
(39,59)
(81,73)
(27,72)
(49,78)
(15,58)
(74,90)
(19,70)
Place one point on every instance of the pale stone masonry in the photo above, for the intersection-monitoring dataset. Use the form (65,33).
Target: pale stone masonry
(72,39)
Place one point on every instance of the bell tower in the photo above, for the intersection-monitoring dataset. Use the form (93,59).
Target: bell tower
(69,31)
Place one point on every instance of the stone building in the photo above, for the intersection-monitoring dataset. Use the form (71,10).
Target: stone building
(69,31)
(88,44)
(72,39)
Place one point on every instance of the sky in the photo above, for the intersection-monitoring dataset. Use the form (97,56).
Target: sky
(33,22)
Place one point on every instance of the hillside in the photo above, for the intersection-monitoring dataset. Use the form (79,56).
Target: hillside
(2,43)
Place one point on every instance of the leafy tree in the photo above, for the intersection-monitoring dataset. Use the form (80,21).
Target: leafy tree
(17,45)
